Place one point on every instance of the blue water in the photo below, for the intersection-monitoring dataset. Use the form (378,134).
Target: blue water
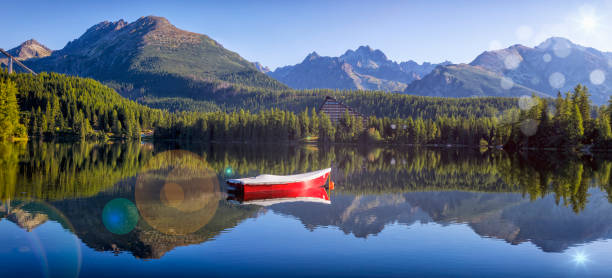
(362,233)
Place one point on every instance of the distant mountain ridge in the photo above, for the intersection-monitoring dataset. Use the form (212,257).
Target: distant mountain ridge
(364,69)
(28,49)
(152,56)
(555,65)
(261,67)
(463,80)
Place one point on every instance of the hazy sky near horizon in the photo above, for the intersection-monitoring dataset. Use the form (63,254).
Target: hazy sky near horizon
(278,33)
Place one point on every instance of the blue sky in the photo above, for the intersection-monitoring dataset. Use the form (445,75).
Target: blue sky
(278,33)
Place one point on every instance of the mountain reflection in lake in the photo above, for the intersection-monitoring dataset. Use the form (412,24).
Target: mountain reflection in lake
(82,209)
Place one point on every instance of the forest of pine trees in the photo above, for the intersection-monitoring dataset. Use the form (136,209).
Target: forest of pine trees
(52,105)
(50,171)
(374,103)
(55,105)
(280,125)
(567,121)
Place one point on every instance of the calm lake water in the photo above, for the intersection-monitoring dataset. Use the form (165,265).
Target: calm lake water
(138,209)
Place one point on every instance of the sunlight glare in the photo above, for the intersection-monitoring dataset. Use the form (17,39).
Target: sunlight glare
(589,23)
(580,258)
(587,19)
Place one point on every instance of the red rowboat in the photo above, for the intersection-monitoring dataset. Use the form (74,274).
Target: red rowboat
(267,198)
(272,182)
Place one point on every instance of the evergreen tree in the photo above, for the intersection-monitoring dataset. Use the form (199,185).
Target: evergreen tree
(9,111)
(574,128)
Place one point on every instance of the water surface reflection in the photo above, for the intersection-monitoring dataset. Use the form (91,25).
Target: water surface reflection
(147,201)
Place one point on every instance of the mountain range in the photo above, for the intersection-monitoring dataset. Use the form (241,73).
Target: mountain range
(363,69)
(152,57)
(555,65)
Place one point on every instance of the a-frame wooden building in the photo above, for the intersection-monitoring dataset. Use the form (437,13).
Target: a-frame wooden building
(335,109)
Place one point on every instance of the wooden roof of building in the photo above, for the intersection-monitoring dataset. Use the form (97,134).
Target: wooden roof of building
(330,101)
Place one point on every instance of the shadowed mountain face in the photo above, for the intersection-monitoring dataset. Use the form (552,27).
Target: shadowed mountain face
(154,56)
(555,65)
(363,68)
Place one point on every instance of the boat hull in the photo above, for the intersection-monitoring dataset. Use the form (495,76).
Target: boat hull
(312,183)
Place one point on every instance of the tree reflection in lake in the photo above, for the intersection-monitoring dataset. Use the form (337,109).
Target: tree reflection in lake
(551,200)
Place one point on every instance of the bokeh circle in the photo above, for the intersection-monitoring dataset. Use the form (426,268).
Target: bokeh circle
(120,216)
(178,193)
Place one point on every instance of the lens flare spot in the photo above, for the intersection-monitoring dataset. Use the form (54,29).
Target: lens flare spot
(228,171)
(556,80)
(512,61)
(562,49)
(178,194)
(546,57)
(529,127)
(597,77)
(172,194)
(120,216)
(526,102)
(506,83)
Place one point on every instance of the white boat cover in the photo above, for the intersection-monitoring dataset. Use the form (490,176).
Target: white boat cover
(273,179)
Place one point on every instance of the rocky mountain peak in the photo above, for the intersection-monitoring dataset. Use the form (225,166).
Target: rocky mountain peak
(364,54)
(153,21)
(124,51)
(362,68)
(261,67)
(107,26)
(365,49)
(312,56)
(30,49)
(31,42)
(552,41)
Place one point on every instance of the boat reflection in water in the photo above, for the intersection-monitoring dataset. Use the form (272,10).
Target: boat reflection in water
(166,213)
(272,197)
(266,190)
